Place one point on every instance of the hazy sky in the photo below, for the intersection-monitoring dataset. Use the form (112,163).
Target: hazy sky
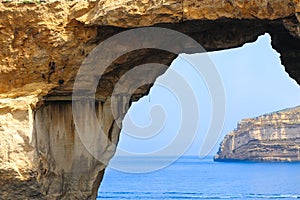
(254,82)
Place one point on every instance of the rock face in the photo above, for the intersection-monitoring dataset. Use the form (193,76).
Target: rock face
(271,137)
(42,48)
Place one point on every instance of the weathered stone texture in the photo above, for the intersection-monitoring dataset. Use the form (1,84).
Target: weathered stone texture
(44,44)
(271,137)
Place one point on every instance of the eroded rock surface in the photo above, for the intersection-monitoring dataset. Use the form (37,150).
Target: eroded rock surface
(271,137)
(42,48)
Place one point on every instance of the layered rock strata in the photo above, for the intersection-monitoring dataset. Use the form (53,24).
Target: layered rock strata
(271,137)
(42,48)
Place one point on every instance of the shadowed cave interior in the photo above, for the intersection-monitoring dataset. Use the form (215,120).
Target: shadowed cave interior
(68,159)
(255,83)
(49,152)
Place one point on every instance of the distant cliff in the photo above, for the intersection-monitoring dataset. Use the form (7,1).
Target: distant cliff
(45,43)
(272,137)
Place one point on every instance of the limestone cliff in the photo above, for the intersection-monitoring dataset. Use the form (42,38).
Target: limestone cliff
(271,137)
(42,48)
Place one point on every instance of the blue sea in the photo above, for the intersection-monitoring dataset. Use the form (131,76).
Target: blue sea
(192,178)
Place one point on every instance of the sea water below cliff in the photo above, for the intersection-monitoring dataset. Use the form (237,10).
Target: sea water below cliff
(191,178)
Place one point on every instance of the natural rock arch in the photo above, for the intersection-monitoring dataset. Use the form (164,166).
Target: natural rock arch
(43,46)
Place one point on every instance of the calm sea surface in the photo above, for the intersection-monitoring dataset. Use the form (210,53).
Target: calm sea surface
(191,178)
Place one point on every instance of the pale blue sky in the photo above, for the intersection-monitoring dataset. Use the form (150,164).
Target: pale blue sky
(254,81)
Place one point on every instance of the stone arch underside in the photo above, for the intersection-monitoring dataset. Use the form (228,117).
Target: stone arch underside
(42,156)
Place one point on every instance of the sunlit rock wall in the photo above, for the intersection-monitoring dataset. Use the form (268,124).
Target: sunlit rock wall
(271,137)
(43,46)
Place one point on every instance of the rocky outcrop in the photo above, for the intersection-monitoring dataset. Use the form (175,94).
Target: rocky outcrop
(43,47)
(271,137)
(44,44)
